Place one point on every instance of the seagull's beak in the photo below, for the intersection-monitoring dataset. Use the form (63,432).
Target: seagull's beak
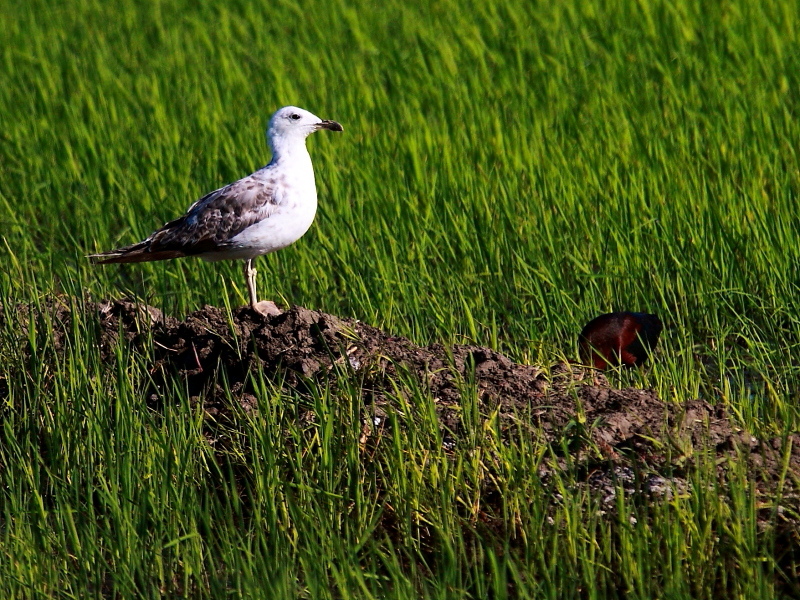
(331,125)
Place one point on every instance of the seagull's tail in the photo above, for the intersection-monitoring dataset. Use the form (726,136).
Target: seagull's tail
(140,252)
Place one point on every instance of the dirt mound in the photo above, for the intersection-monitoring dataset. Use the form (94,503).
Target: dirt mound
(304,345)
(610,431)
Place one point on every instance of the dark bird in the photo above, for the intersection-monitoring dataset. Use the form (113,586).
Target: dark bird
(616,338)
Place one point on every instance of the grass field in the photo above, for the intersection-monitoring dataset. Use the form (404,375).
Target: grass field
(508,170)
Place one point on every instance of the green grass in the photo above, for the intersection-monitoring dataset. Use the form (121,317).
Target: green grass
(507,171)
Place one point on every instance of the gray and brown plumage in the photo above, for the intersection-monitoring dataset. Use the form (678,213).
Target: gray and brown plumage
(261,213)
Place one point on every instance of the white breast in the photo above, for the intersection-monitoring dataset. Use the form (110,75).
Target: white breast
(282,228)
(296,200)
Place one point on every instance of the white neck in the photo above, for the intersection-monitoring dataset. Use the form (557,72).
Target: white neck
(288,148)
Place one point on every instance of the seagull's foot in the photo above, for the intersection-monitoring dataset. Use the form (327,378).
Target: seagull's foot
(267,308)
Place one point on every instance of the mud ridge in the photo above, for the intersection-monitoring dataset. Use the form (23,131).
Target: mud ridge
(623,438)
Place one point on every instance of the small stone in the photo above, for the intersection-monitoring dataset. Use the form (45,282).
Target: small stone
(268,308)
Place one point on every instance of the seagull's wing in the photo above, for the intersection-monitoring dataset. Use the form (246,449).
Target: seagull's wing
(208,224)
(217,217)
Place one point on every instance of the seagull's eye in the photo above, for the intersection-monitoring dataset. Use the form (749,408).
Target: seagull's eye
(295,117)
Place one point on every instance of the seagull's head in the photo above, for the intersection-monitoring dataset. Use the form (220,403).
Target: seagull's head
(290,122)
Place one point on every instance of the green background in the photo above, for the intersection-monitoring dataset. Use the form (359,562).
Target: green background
(508,170)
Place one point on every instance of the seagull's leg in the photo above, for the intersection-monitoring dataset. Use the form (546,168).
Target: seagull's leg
(266,308)
(250,275)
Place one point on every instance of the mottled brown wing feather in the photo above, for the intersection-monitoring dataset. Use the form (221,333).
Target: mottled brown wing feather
(208,225)
(217,217)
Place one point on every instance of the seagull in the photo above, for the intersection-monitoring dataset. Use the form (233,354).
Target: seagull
(261,213)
